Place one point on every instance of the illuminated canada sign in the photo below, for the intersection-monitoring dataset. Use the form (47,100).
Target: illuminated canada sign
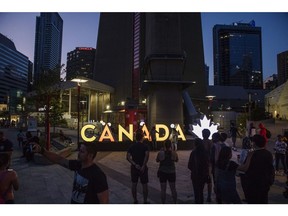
(122,132)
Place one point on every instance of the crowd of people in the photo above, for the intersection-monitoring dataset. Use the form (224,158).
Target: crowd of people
(210,163)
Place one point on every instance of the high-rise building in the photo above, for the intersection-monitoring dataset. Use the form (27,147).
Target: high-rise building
(13,75)
(48,43)
(282,67)
(237,53)
(80,62)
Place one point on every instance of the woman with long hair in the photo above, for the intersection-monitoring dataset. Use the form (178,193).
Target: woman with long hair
(225,178)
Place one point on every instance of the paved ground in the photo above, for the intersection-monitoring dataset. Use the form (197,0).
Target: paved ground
(51,184)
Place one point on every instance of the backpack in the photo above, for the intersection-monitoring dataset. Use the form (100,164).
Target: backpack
(268,134)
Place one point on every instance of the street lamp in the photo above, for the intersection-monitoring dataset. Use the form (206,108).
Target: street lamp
(78,81)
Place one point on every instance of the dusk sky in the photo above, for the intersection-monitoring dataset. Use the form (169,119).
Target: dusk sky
(80,30)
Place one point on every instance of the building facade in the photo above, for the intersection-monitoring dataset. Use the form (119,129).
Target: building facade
(14,67)
(48,44)
(276,102)
(282,67)
(133,47)
(80,62)
(237,51)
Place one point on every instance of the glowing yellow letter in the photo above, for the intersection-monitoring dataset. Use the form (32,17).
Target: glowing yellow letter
(123,131)
(106,134)
(84,137)
(146,132)
(180,132)
(166,134)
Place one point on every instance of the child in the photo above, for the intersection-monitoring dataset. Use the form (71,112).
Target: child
(280,153)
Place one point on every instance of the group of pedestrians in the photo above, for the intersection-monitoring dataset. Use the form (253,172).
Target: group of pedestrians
(209,163)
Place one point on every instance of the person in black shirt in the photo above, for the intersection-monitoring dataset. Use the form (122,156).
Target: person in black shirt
(138,155)
(260,173)
(90,183)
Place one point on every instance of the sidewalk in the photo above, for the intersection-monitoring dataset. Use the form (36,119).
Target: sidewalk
(52,184)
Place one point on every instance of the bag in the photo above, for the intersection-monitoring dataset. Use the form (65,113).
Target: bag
(268,134)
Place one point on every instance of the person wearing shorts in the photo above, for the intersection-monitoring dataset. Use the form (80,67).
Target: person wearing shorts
(138,155)
(167,171)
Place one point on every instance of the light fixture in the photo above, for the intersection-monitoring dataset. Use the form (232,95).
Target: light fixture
(78,80)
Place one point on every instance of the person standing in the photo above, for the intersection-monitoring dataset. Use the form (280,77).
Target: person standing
(6,146)
(174,139)
(260,172)
(234,132)
(225,178)
(138,155)
(263,132)
(208,146)
(251,130)
(8,181)
(152,137)
(167,170)
(90,183)
(20,138)
(215,150)
(198,164)
(280,153)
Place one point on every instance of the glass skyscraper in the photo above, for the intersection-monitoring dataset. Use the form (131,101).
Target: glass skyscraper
(14,69)
(238,55)
(48,43)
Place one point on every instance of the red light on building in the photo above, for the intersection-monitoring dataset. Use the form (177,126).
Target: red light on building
(84,48)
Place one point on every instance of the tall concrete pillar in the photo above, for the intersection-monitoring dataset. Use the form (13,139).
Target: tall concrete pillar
(165,61)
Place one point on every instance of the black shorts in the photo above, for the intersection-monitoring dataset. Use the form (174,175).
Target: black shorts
(164,177)
(136,174)
(209,179)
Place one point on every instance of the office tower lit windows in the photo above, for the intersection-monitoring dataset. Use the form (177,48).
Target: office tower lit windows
(80,62)
(13,72)
(48,43)
(238,55)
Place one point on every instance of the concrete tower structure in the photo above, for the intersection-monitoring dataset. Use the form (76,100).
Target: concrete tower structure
(153,55)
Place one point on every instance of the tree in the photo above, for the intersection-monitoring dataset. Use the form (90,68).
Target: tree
(56,112)
(47,88)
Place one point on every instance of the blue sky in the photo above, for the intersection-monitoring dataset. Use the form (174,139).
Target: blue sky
(80,29)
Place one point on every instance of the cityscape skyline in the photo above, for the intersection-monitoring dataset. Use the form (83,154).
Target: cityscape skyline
(80,29)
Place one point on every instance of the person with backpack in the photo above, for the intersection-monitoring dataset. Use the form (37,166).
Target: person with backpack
(167,171)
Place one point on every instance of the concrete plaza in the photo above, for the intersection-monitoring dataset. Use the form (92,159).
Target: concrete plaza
(52,184)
